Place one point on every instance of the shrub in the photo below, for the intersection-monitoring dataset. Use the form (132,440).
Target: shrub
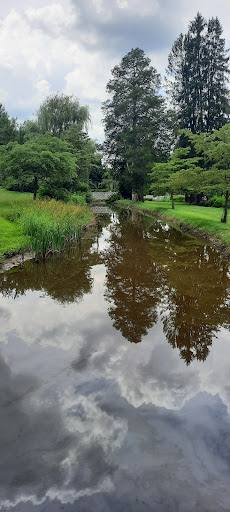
(77,199)
(113,198)
(81,187)
(60,194)
(89,197)
(180,198)
(215,201)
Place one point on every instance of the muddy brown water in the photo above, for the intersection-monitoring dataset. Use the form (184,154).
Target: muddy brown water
(115,375)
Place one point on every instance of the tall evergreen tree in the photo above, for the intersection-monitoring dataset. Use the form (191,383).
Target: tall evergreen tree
(132,119)
(217,99)
(8,127)
(198,75)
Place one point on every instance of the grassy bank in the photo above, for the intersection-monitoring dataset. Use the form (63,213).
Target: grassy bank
(12,237)
(43,226)
(206,219)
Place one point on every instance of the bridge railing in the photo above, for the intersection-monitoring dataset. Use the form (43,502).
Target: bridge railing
(102,196)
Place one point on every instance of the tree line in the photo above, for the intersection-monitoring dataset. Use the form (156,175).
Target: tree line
(168,143)
(150,140)
(52,154)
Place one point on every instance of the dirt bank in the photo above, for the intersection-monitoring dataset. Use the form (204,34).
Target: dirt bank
(14,261)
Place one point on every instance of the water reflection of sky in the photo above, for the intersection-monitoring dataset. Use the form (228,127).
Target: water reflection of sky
(89,421)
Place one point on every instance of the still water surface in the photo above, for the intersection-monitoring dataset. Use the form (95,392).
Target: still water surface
(115,375)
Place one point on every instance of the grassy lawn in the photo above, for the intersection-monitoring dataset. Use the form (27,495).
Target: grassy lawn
(206,218)
(11,236)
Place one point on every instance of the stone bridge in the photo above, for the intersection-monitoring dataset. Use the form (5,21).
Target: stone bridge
(102,196)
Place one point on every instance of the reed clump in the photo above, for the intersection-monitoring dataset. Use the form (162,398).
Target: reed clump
(52,225)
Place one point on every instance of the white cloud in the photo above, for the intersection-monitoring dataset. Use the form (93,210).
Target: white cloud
(89,76)
(71,47)
(55,17)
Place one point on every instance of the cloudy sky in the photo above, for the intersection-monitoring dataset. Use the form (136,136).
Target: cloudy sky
(71,45)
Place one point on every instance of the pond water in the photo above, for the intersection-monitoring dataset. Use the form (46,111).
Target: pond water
(115,375)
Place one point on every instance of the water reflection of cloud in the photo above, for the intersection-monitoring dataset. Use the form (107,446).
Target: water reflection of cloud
(100,443)
(60,326)
(43,450)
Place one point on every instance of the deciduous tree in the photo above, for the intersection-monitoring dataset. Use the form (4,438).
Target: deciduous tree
(44,160)
(59,112)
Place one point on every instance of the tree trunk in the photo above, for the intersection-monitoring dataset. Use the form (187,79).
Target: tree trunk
(141,196)
(134,197)
(35,187)
(172,199)
(225,215)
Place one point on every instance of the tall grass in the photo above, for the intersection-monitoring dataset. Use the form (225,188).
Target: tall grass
(52,225)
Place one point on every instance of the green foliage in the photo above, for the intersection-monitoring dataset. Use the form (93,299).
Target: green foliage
(58,112)
(215,201)
(77,199)
(49,191)
(44,160)
(88,156)
(27,131)
(113,198)
(81,187)
(133,118)
(89,197)
(180,198)
(214,149)
(180,173)
(8,127)
(107,180)
(51,225)
(43,226)
(198,75)
(12,238)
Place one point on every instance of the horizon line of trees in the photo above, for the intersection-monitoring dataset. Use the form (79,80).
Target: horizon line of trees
(148,138)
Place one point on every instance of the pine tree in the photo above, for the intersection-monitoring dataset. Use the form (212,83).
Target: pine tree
(216,72)
(198,75)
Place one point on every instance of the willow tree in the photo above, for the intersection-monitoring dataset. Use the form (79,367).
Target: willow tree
(132,118)
(59,111)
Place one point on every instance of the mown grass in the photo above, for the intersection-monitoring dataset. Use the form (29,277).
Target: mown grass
(43,226)
(206,219)
(12,238)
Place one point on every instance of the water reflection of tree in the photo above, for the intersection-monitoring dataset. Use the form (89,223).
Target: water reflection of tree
(150,264)
(66,278)
(197,296)
(134,282)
